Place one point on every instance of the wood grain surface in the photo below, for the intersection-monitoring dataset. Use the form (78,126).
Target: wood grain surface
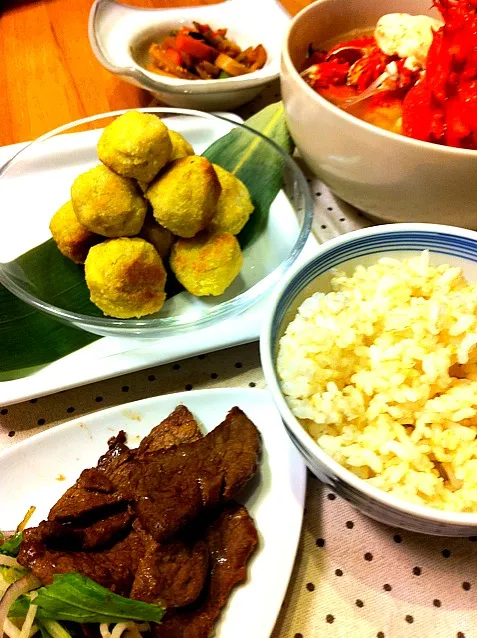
(48,73)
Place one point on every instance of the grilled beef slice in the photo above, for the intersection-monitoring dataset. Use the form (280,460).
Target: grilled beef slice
(166,489)
(117,452)
(172,487)
(95,535)
(93,518)
(231,538)
(178,428)
(79,501)
(105,531)
(94,491)
(113,568)
(172,574)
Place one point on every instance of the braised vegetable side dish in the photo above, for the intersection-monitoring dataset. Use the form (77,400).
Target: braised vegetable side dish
(150,540)
(152,206)
(201,53)
(413,75)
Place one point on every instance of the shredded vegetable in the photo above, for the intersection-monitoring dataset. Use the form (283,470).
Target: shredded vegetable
(26,607)
(134,629)
(28,622)
(26,518)
(54,629)
(199,52)
(14,591)
(10,629)
(9,561)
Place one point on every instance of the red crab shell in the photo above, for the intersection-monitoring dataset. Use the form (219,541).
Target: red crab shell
(442,108)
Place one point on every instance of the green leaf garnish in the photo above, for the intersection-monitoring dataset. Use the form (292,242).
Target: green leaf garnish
(76,598)
(52,629)
(11,547)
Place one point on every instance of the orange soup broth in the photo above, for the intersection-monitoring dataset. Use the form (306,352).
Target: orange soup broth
(384,111)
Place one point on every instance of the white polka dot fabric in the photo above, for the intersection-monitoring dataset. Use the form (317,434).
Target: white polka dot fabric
(353,578)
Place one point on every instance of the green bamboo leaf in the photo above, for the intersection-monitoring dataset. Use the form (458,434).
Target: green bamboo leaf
(30,339)
(240,154)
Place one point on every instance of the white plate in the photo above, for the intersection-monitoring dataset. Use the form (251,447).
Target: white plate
(275,499)
(109,357)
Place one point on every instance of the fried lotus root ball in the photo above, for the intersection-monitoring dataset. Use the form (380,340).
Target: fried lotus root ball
(184,196)
(206,264)
(135,145)
(143,186)
(161,238)
(125,277)
(180,146)
(234,206)
(108,204)
(73,239)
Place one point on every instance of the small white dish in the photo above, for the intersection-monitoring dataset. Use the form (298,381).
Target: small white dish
(119,33)
(275,496)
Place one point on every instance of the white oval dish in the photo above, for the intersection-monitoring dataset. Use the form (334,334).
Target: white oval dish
(117,31)
(30,472)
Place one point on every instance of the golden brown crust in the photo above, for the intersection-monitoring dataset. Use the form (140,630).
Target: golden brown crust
(161,238)
(206,264)
(135,145)
(234,206)
(126,277)
(71,237)
(180,146)
(108,204)
(184,196)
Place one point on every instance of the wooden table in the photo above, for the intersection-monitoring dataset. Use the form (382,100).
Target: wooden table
(49,75)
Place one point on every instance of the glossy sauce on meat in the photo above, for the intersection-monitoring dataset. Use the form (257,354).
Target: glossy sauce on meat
(158,523)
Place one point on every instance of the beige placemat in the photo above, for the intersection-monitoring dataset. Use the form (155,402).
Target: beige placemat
(353,578)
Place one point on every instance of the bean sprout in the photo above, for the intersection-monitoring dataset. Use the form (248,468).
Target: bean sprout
(28,623)
(133,629)
(9,561)
(10,629)
(104,630)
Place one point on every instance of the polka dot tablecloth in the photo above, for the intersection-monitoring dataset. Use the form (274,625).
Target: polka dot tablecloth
(353,577)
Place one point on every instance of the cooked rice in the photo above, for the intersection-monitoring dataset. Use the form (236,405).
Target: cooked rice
(382,372)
